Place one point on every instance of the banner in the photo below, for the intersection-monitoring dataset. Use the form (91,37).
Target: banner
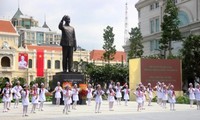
(40,63)
(23,61)
(67,83)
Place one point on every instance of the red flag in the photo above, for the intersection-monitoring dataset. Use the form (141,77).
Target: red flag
(40,63)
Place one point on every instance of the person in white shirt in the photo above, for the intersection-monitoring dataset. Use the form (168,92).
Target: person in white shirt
(150,93)
(25,99)
(6,96)
(89,94)
(191,91)
(17,95)
(98,98)
(126,91)
(75,92)
(139,98)
(111,98)
(118,89)
(57,90)
(34,98)
(67,93)
(197,96)
(165,96)
(42,96)
(172,98)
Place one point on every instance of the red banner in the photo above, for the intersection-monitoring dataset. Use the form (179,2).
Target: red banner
(40,63)
(23,61)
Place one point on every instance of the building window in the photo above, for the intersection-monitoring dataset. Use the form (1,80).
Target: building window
(151,6)
(5,62)
(154,25)
(183,18)
(154,45)
(57,64)
(157,4)
(30,63)
(49,64)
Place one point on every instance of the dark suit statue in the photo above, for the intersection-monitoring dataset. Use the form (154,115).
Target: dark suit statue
(68,43)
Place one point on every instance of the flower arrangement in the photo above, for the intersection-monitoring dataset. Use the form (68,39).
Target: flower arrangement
(83,93)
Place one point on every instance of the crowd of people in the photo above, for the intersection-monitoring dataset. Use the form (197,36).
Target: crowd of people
(114,93)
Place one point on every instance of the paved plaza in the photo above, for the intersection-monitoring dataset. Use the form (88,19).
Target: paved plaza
(121,112)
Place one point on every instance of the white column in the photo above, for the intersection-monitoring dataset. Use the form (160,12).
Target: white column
(52,60)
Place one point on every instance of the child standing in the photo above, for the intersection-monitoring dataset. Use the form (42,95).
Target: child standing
(17,96)
(75,92)
(150,93)
(197,96)
(111,98)
(191,91)
(139,98)
(172,98)
(165,96)
(42,96)
(89,93)
(58,90)
(118,89)
(35,94)
(6,96)
(25,100)
(67,99)
(98,99)
(126,94)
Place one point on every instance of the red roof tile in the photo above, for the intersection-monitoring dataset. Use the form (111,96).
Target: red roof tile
(6,26)
(98,55)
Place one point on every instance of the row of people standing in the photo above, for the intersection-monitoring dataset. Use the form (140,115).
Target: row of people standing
(194,95)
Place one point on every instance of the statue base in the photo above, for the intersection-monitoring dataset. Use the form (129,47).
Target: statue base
(62,77)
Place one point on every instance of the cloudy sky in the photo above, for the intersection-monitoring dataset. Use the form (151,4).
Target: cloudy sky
(88,17)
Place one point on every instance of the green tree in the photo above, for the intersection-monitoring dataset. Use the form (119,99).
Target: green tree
(191,58)
(136,47)
(109,46)
(170,28)
(20,79)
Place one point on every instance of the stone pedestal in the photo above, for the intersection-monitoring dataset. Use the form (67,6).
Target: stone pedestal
(73,77)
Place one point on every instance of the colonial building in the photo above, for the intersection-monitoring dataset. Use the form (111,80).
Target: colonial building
(150,14)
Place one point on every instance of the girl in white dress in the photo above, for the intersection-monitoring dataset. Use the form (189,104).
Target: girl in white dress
(98,98)
(6,96)
(11,95)
(42,96)
(89,93)
(172,97)
(75,97)
(57,90)
(118,89)
(158,93)
(191,91)
(139,98)
(34,98)
(111,98)
(25,99)
(197,96)
(150,93)
(17,96)
(67,93)
(126,94)
(165,96)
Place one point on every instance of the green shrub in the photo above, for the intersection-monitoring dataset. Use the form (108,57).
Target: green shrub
(154,99)
(182,100)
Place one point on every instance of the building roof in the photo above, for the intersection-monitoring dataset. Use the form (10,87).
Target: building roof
(7,27)
(98,55)
(47,48)
(17,14)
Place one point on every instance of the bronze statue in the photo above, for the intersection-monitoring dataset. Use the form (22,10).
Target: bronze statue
(68,43)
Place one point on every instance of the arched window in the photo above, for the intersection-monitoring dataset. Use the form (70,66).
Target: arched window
(49,64)
(30,63)
(183,18)
(5,62)
(57,64)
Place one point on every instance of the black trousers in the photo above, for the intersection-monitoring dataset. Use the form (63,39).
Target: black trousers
(67,61)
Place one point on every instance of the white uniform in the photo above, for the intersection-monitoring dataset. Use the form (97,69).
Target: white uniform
(67,96)
(58,90)
(191,93)
(139,96)
(89,93)
(197,94)
(118,91)
(164,95)
(172,97)
(111,95)
(159,92)
(126,94)
(25,97)
(6,94)
(35,97)
(75,94)
(98,98)
(42,96)
(17,90)
(150,92)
